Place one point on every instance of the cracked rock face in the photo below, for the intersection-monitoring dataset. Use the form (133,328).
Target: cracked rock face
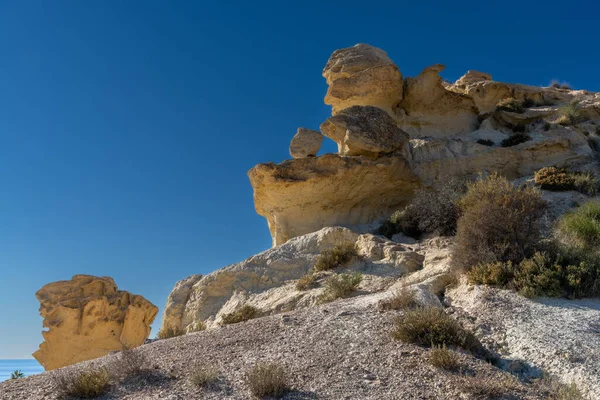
(88,317)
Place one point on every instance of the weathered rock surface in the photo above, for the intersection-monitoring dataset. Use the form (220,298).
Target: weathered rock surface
(362,75)
(364,131)
(267,280)
(305,143)
(87,317)
(304,195)
(472,77)
(428,109)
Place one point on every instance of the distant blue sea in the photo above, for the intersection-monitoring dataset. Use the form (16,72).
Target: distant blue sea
(28,367)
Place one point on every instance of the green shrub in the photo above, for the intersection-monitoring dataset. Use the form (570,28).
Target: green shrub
(338,256)
(87,384)
(580,228)
(485,142)
(441,357)
(431,326)
(17,374)
(340,286)
(510,104)
(570,114)
(308,281)
(499,222)
(500,274)
(242,314)
(170,332)
(557,179)
(267,380)
(402,299)
(539,276)
(204,377)
(515,139)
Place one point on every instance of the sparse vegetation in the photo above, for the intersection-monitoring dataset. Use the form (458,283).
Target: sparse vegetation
(431,210)
(510,104)
(489,386)
(130,362)
(431,326)
(498,273)
(17,374)
(570,114)
(402,299)
(308,281)
(339,256)
(198,327)
(555,390)
(441,357)
(170,332)
(86,384)
(242,314)
(340,286)
(499,222)
(204,376)
(580,228)
(485,142)
(516,138)
(267,380)
(560,179)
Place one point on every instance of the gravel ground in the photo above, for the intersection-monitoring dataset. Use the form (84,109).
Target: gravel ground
(341,350)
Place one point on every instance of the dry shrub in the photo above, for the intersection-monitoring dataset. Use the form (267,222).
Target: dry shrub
(340,286)
(497,273)
(510,104)
(339,256)
(560,179)
(267,380)
(431,326)
(204,377)
(198,326)
(308,281)
(87,384)
(555,390)
(570,114)
(441,357)
(515,139)
(130,362)
(489,386)
(242,314)
(170,332)
(499,222)
(402,299)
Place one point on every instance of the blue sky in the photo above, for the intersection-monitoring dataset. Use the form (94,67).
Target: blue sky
(127,127)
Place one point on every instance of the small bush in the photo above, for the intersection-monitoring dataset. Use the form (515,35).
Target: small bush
(204,377)
(570,114)
(87,384)
(441,357)
(198,326)
(515,139)
(497,273)
(489,386)
(432,327)
(557,179)
(17,374)
(242,314)
(499,222)
(267,380)
(170,332)
(338,256)
(580,228)
(402,299)
(485,142)
(130,362)
(340,286)
(308,281)
(510,104)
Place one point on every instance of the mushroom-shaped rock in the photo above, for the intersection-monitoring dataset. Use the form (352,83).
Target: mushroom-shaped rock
(362,75)
(364,131)
(88,318)
(305,143)
(473,77)
(428,109)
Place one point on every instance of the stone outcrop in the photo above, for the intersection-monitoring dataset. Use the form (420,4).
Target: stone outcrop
(472,77)
(304,195)
(267,280)
(305,143)
(88,317)
(364,131)
(362,75)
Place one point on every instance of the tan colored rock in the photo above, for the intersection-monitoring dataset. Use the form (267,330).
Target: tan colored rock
(177,300)
(473,77)
(87,317)
(267,280)
(430,110)
(364,131)
(304,195)
(362,75)
(305,143)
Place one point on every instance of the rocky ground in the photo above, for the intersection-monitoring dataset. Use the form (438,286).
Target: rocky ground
(340,350)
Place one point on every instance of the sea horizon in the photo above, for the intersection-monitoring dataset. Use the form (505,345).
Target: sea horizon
(28,366)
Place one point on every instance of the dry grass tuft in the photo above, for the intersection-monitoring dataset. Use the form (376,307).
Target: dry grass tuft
(489,386)
(340,286)
(267,380)
(308,281)
(205,377)
(86,384)
(242,314)
(170,332)
(441,357)
(402,299)
(338,256)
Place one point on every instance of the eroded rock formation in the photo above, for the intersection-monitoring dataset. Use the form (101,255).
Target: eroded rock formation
(305,143)
(88,317)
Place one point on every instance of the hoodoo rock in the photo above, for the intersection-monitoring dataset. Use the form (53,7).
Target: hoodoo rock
(305,143)
(362,75)
(88,317)
(364,131)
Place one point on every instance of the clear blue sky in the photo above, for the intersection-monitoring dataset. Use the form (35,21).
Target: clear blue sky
(127,127)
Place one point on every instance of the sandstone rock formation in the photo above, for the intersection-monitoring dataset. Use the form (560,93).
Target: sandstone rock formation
(305,143)
(87,317)
(364,131)
(362,75)
(473,77)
